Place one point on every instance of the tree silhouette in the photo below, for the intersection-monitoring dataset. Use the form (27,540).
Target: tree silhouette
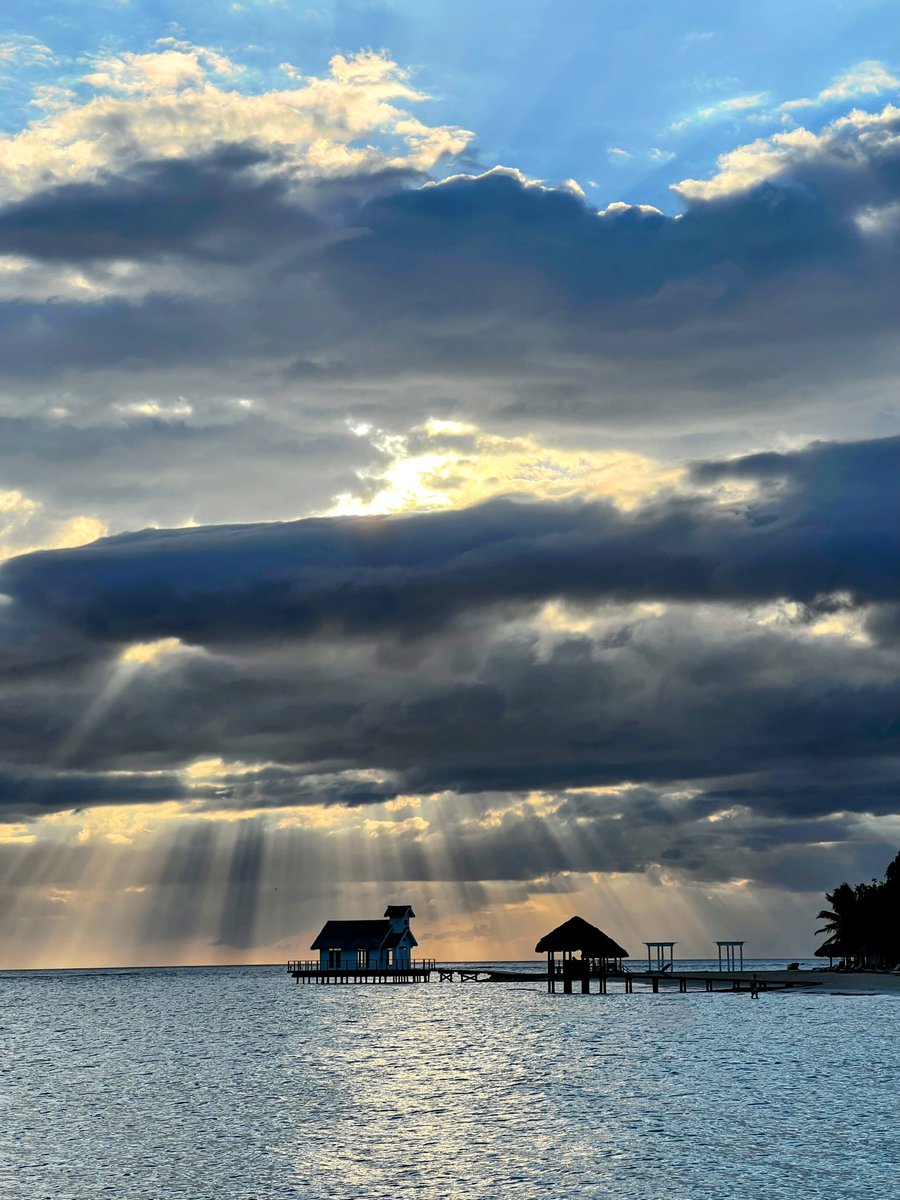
(863,922)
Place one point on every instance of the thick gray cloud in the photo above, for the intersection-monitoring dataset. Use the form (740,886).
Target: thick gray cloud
(828,528)
(29,793)
(668,700)
(240,464)
(348,662)
(218,208)
(482,294)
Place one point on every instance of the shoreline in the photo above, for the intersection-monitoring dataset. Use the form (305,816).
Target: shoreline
(826,982)
(837,981)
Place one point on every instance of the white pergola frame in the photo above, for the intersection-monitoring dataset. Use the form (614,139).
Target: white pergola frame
(659,949)
(730,954)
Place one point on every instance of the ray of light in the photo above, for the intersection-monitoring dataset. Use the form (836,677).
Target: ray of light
(120,676)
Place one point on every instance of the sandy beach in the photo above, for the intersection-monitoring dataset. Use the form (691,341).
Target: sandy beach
(834,982)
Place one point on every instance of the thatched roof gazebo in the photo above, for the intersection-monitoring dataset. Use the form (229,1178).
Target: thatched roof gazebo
(599,954)
(836,950)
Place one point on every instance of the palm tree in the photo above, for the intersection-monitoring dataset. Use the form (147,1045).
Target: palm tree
(841,922)
(863,922)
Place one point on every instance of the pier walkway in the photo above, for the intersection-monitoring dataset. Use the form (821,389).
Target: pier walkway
(568,975)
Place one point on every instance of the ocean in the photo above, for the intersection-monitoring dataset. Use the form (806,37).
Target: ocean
(220,1083)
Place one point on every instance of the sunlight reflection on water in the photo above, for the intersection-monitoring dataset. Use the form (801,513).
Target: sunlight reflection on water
(238,1083)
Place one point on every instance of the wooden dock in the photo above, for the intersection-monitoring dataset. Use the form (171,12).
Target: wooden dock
(576,979)
(567,977)
(570,976)
(418,971)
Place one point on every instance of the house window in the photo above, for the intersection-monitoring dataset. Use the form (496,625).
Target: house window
(334,958)
(362,960)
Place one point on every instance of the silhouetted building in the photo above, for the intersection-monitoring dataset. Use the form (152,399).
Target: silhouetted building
(599,954)
(364,945)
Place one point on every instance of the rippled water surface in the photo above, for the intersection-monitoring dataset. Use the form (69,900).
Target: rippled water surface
(239,1083)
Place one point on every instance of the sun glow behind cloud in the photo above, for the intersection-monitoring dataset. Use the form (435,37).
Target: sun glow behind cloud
(452,464)
(145,653)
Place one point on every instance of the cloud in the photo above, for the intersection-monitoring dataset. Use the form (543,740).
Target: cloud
(797,539)
(33,793)
(444,464)
(178,66)
(694,737)
(722,108)
(751,747)
(741,724)
(869,78)
(147,466)
(24,526)
(211,208)
(170,103)
(245,271)
(850,145)
(507,647)
(23,50)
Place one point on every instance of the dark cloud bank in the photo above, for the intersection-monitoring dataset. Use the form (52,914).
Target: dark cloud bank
(402,648)
(358,659)
(821,531)
(382,297)
(483,295)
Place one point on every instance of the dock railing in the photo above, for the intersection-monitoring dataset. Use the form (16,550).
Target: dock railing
(314,966)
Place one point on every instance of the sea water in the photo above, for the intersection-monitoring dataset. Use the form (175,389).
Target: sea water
(237,1082)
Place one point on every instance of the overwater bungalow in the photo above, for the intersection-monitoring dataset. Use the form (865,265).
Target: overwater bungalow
(368,945)
(599,955)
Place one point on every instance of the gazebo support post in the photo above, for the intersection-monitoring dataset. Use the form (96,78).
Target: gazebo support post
(595,950)
(733,952)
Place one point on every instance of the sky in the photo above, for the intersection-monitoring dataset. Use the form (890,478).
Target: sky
(449,455)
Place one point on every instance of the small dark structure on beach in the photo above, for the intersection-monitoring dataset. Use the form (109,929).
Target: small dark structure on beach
(599,955)
(849,957)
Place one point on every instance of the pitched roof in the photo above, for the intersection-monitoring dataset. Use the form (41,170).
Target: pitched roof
(393,940)
(578,934)
(352,935)
(399,910)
